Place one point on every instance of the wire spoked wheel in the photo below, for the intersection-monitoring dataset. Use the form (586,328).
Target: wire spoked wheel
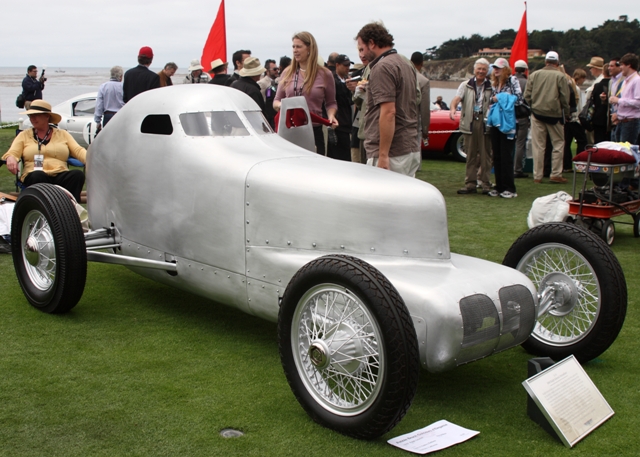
(339,356)
(348,346)
(581,289)
(579,294)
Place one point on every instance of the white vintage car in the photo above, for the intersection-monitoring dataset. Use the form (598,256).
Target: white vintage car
(189,186)
(77,118)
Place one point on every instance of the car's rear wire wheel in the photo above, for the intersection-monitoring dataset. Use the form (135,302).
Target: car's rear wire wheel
(48,248)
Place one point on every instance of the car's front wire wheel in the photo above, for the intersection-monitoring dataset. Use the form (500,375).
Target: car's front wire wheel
(580,283)
(348,346)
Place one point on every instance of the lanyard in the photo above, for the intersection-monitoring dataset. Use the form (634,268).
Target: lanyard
(479,92)
(295,85)
(45,140)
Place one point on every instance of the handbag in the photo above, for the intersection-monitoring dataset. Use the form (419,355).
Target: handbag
(20,101)
(586,115)
(522,111)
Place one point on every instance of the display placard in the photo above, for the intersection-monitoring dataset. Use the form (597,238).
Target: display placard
(569,400)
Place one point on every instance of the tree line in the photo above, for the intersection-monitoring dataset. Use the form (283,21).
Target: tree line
(613,38)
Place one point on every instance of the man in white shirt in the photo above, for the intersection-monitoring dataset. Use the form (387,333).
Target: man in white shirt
(110,98)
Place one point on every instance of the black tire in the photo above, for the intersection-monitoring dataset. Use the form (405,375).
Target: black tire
(636,225)
(608,231)
(49,253)
(593,303)
(363,386)
(455,146)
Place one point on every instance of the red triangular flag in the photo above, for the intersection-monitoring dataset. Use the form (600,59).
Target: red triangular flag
(216,45)
(520,48)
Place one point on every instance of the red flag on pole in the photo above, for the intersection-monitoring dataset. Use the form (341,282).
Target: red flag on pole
(520,48)
(216,45)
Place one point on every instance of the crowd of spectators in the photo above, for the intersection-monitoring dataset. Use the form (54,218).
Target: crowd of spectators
(550,105)
(378,111)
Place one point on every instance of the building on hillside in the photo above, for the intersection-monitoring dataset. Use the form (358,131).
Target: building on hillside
(506,52)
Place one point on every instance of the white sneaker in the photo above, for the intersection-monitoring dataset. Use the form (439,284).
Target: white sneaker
(493,193)
(507,194)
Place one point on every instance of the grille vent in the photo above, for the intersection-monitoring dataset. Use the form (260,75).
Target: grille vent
(480,320)
(518,311)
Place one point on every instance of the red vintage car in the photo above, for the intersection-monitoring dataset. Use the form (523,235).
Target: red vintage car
(444,134)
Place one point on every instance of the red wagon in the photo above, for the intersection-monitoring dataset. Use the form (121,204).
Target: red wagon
(594,208)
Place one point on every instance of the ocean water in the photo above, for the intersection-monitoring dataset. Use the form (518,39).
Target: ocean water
(62,84)
(65,83)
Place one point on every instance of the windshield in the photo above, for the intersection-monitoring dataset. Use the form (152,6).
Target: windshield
(222,123)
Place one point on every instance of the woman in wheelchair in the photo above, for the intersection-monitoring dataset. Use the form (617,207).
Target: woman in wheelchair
(44,151)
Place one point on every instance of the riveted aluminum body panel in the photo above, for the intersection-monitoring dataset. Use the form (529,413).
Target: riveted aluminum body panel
(344,207)
(217,284)
(241,215)
(177,193)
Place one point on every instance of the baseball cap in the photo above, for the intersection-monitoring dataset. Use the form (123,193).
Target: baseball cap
(500,62)
(552,55)
(521,64)
(146,51)
(343,59)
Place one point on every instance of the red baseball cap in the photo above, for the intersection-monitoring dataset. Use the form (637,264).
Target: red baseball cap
(146,51)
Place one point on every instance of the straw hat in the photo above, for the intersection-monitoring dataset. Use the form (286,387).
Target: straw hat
(252,67)
(217,63)
(596,62)
(195,65)
(42,107)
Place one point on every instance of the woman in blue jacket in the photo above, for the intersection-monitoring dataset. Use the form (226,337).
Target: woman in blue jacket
(502,119)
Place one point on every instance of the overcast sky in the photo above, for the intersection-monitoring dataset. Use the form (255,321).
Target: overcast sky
(81,33)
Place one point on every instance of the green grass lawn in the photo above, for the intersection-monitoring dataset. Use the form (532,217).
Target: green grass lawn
(139,369)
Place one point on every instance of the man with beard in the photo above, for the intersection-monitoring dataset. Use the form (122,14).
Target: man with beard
(391,119)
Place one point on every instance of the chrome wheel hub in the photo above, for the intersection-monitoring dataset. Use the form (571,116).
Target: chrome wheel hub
(564,293)
(38,250)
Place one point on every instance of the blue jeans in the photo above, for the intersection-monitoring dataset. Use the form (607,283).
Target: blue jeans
(628,131)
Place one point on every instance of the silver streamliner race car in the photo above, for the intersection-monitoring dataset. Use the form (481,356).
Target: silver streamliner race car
(189,186)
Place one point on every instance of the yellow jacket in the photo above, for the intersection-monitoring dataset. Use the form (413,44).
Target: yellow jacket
(56,152)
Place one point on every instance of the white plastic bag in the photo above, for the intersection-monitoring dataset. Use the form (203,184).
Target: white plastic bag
(550,208)
(6,211)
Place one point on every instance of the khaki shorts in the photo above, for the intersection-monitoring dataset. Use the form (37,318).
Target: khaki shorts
(407,164)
